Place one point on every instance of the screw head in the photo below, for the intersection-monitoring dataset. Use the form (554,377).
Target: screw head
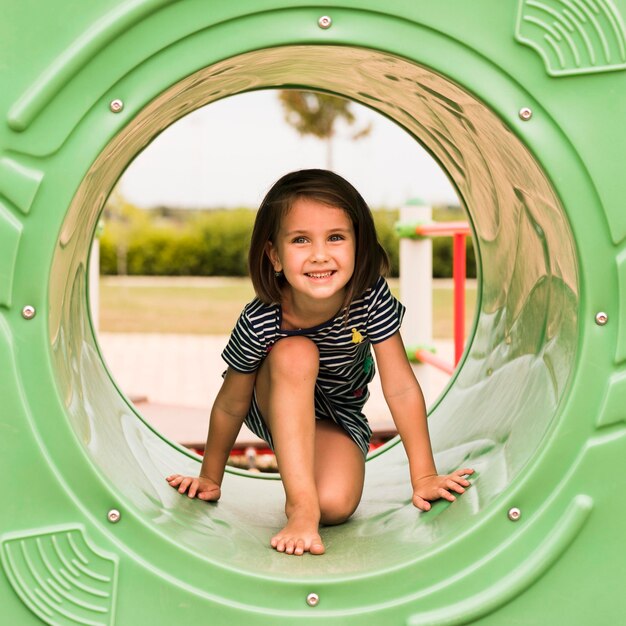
(312,599)
(114,516)
(525,113)
(325,22)
(116,105)
(514,514)
(601,318)
(28,312)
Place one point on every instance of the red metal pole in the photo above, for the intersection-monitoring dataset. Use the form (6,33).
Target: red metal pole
(458,275)
(424,356)
(443,229)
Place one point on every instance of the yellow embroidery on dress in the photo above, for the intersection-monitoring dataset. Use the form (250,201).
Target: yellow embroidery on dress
(357,337)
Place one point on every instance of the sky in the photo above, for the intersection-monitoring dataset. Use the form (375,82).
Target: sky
(229,153)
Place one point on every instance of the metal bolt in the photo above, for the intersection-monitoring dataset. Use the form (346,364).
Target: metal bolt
(325,22)
(114,516)
(525,113)
(28,312)
(312,599)
(514,514)
(116,105)
(601,318)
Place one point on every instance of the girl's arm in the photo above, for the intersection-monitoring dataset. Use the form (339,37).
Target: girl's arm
(408,409)
(227,415)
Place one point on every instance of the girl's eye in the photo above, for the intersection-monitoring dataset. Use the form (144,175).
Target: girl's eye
(299,240)
(336,238)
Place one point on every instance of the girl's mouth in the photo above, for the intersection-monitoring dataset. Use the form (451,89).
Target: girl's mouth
(319,275)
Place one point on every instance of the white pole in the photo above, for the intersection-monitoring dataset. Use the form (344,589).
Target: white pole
(416,289)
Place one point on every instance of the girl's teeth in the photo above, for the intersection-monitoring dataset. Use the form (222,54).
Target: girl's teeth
(324,275)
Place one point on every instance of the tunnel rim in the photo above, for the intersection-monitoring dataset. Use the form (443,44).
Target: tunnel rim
(409,61)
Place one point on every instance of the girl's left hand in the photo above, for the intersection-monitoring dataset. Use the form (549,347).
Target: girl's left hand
(434,487)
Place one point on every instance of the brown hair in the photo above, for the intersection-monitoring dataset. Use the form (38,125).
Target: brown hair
(328,188)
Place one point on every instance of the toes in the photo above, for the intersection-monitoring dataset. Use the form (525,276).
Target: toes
(297,547)
(278,543)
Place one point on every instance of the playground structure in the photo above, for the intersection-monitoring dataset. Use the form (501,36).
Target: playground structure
(522,103)
(415,230)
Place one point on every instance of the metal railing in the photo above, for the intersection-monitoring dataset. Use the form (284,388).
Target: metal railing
(459,231)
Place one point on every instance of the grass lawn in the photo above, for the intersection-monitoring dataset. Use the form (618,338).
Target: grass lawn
(210,306)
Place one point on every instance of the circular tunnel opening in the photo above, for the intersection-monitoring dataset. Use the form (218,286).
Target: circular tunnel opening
(173,239)
(502,399)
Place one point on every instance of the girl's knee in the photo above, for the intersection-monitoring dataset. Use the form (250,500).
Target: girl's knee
(292,354)
(336,508)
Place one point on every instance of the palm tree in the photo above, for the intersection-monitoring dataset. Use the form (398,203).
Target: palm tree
(314,113)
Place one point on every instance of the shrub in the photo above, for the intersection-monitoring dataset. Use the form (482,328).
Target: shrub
(385,228)
(216,242)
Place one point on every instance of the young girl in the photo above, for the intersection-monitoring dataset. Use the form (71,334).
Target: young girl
(299,361)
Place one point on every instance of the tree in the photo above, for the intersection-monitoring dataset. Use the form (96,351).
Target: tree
(122,219)
(313,113)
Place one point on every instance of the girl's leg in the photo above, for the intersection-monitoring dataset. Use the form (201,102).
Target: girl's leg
(339,472)
(285,386)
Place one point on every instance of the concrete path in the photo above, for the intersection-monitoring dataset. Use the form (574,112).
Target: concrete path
(173,379)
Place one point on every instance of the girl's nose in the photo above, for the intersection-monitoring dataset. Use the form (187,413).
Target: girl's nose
(319,253)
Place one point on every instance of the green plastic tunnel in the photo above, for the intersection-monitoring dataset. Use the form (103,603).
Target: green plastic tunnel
(523,105)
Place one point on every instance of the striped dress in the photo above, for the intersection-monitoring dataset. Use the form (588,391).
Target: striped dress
(346,364)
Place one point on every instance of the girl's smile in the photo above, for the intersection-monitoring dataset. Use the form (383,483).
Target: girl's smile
(315,249)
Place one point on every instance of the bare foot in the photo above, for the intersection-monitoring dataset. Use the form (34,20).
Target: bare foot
(299,535)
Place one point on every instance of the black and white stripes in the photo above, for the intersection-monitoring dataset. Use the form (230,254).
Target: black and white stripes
(346,365)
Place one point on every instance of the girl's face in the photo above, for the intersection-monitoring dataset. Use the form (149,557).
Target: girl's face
(315,249)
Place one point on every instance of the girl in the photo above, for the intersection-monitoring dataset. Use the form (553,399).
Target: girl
(299,361)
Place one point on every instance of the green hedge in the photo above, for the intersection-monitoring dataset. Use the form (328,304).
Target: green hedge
(211,243)
(215,243)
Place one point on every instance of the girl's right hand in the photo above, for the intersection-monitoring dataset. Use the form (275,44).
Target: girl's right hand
(196,486)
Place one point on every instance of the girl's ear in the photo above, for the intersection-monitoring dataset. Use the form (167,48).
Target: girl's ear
(272,254)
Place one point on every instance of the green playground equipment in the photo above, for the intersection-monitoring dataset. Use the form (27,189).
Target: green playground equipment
(523,105)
